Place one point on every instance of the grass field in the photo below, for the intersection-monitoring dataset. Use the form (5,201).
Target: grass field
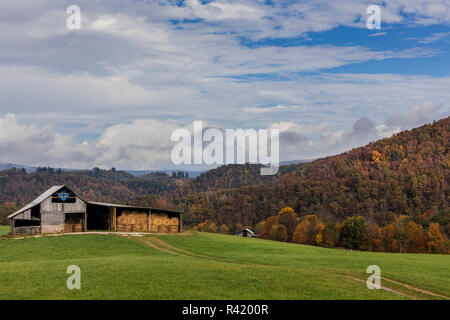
(208,266)
(4,230)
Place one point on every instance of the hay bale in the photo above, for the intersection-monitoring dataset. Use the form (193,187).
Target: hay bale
(173,228)
(132,221)
(162,228)
(138,228)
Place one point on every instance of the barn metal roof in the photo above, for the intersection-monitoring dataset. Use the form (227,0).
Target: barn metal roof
(37,201)
(53,189)
(113,205)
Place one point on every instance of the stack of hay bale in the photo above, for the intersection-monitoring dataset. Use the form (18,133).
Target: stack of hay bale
(161,223)
(173,227)
(132,221)
(74,223)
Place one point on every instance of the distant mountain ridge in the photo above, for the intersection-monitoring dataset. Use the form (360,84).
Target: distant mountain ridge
(8,165)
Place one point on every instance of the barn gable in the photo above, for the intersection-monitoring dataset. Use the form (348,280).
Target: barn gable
(48,212)
(24,212)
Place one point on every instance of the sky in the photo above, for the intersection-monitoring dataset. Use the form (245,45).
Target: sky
(111,93)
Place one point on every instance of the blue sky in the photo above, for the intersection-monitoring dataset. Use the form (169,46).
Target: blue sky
(111,93)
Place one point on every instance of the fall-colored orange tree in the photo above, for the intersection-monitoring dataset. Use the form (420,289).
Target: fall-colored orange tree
(206,226)
(309,230)
(279,233)
(267,228)
(435,240)
(414,238)
(224,229)
(288,218)
(377,238)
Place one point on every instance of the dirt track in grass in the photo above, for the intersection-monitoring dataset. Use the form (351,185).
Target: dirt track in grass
(161,245)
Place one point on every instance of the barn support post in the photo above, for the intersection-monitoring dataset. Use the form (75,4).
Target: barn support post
(85,221)
(181,223)
(13,227)
(115,218)
(149,220)
(110,219)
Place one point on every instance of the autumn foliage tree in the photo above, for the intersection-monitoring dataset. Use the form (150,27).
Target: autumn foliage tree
(414,238)
(355,234)
(330,235)
(279,233)
(268,225)
(435,240)
(259,228)
(224,229)
(288,218)
(309,230)
(206,226)
(390,242)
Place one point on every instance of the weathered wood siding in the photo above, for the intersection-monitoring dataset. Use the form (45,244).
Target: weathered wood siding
(52,222)
(27,230)
(53,214)
(26,215)
(48,206)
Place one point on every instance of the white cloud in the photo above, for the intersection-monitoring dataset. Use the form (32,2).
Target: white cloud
(131,61)
(434,37)
(146,144)
(269,109)
(141,144)
(221,10)
(416,116)
(296,144)
(378,34)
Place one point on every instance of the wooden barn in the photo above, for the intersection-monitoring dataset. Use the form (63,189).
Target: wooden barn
(59,209)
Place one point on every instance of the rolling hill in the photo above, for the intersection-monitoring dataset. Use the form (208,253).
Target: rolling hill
(209,266)
(405,175)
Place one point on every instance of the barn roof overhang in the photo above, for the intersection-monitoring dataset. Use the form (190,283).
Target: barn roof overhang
(37,201)
(112,205)
(54,189)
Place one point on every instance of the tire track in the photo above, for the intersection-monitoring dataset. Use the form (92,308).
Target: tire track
(151,244)
(416,289)
(164,246)
(382,287)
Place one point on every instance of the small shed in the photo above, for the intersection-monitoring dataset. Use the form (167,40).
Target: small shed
(59,209)
(247,233)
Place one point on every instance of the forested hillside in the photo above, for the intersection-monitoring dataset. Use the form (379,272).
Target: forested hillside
(235,176)
(97,185)
(406,175)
